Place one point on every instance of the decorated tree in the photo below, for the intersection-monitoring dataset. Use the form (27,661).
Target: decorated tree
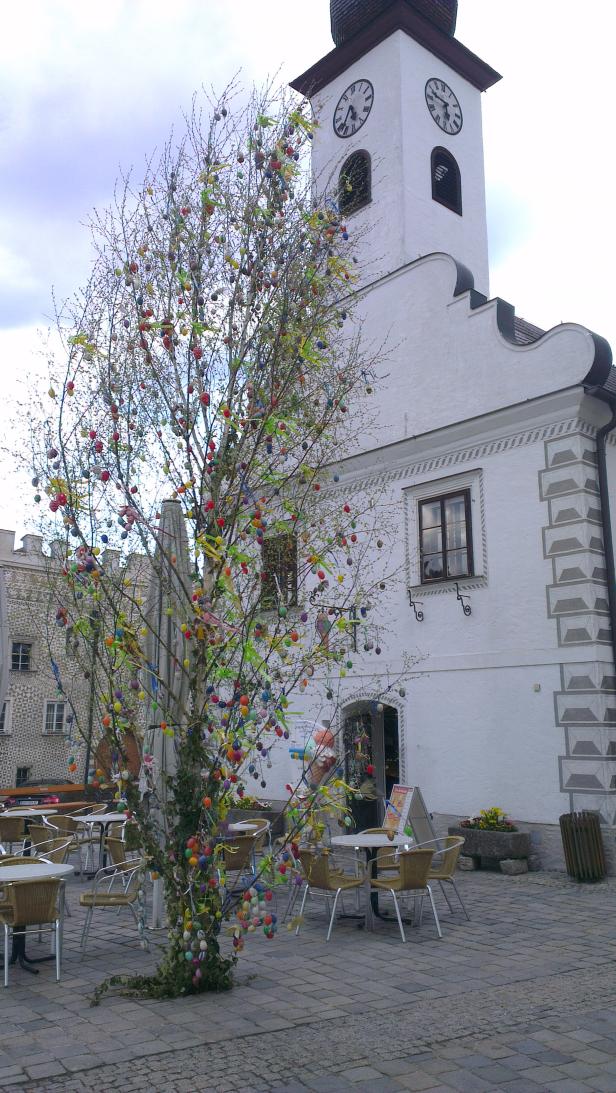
(208,570)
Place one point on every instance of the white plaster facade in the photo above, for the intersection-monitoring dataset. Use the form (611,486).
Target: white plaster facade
(515,703)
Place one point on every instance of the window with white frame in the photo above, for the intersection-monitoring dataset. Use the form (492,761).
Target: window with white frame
(21,656)
(5,718)
(55,724)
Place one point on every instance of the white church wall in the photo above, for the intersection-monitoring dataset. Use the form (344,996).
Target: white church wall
(403,222)
(445,362)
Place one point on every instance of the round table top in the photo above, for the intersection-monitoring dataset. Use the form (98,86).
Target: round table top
(33,871)
(25,813)
(364,840)
(101,817)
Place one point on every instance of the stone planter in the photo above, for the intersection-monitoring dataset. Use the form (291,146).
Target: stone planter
(275,818)
(489,848)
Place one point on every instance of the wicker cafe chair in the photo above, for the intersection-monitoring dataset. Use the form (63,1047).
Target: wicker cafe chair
(12,830)
(69,826)
(412,876)
(32,903)
(114,886)
(319,874)
(11,859)
(239,857)
(443,870)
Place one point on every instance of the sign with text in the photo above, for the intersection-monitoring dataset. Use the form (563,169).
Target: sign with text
(406,814)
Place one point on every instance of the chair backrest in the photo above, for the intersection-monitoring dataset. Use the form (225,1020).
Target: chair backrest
(88,810)
(12,828)
(19,859)
(116,848)
(414,867)
(39,834)
(260,829)
(65,824)
(237,852)
(316,868)
(449,854)
(34,901)
(54,850)
(373,831)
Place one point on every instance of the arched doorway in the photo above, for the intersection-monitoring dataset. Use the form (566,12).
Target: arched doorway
(371,758)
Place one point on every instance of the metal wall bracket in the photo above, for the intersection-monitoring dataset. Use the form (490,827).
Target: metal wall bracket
(419,615)
(466,607)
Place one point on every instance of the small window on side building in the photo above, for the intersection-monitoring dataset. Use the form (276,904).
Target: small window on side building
(54,719)
(445,537)
(279,559)
(446,181)
(5,719)
(355,183)
(21,656)
(23,775)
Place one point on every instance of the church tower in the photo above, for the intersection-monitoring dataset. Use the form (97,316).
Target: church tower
(399,145)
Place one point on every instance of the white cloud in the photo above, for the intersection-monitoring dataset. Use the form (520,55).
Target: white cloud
(86,87)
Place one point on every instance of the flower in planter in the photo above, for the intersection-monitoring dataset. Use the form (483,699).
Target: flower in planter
(252,803)
(489,819)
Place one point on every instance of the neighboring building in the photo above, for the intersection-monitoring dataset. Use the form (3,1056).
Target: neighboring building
(491,445)
(37,722)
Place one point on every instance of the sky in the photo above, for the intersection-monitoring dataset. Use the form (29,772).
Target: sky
(90,89)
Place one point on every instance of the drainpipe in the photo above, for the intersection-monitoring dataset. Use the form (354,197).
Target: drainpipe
(606,521)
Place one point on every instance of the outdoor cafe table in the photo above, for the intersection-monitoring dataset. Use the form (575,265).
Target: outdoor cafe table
(33,871)
(364,840)
(104,820)
(28,814)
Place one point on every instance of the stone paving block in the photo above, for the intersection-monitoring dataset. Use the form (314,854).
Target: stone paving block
(417,1081)
(360,1074)
(406,1065)
(468,1081)
(45,1070)
(570,1085)
(604,1083)
(9,1072)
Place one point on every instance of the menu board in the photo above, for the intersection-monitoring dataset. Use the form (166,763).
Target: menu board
(406,814)
(397,811)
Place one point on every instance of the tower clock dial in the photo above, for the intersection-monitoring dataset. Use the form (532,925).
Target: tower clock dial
(444,106)
(353,108)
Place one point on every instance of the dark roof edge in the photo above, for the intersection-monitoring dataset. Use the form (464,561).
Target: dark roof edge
(601,368)
(398,17)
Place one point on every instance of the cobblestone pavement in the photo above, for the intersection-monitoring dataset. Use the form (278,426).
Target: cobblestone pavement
(522,998)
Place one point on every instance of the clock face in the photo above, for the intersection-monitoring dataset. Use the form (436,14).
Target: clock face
(444,106)
(353,108)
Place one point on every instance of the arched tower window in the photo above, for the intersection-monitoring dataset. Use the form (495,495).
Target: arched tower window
(446,183)
(355,183)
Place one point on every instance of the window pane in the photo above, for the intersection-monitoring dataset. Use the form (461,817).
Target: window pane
(3,717)
(455,536)
(431,514)
(432,567)
(457,563)
(455,510)
(432,541)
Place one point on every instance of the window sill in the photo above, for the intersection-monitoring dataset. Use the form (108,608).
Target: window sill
(478,580)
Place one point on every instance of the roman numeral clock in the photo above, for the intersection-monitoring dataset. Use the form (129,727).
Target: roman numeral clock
(353,108)
(443,104)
